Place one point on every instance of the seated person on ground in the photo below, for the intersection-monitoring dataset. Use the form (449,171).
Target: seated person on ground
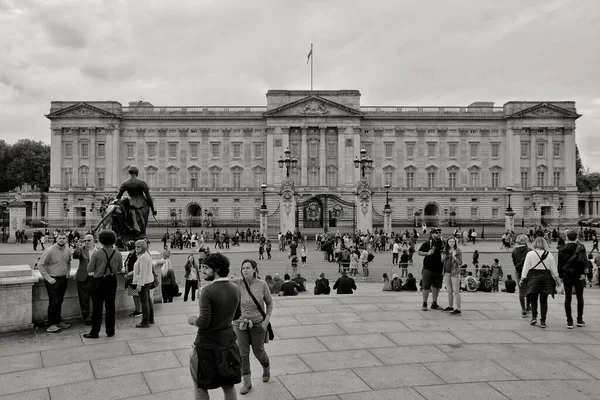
(344,284)
(387,285)
(510,285)
(485,282)
(301,282)
(411,284)
(396,283)
(289,287)
(322,285)
(470,284)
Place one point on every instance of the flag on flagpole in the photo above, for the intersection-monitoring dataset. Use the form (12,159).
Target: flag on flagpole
(309,54)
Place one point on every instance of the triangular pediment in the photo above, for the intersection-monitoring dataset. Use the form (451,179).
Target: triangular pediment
(81,111)
(545,110)
(313,106)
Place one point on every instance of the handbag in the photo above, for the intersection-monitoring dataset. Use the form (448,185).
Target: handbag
(270,333)
(154,284)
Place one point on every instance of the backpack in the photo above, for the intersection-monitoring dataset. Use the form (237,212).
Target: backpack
(570,267)
(487,285)
(370,257)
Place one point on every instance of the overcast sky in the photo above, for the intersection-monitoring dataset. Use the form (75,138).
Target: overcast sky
(230,53)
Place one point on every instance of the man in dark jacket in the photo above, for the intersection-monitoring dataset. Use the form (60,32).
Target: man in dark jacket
(344,284)
(518,258)
(571,264)
(83,253)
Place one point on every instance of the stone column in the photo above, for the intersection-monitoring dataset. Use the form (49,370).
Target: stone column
(322,156)
(304,159)
(263,222)
(287,206)
(17,214)
(271,162)
(76,156)
(569,157)
(364,206)
(387,220)
(56,157)
(356,149)
(341,156)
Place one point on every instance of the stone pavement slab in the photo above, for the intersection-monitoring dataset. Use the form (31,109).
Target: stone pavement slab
(422,338)
(470,371)
(356,328)
(303,386)
(339,360)
(481,336)
(118,387)
(409,355)
(84,353)
(386,394)
(22,381)
(460,391)
(349,342)
(472,352)
(394,376)
(137,363)
(546,336)
(20,362)
(542,369)
(592,367)
(293,332)
(534,390)
(587,387)
(555,351)
(38,394)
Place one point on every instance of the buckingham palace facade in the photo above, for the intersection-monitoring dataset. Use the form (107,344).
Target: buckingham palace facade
(443,163)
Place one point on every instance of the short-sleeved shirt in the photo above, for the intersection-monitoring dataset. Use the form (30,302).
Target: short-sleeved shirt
(434,261)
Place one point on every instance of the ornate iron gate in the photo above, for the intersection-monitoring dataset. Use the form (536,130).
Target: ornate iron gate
(325,212)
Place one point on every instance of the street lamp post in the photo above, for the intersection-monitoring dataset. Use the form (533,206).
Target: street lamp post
(66,208)
(263,189)
(288,162)
(263,212)
(509,191)
(363,163)
(560,208)
(387,196)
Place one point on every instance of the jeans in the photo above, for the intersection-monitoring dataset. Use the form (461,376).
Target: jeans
(394,258)
(103,295)
(524,298)
(167,293)
(190,285)
(453,285)
(543,305)
(254,337)
(56,295)
(578,285)
(147,303)
(84,292)
(495,284)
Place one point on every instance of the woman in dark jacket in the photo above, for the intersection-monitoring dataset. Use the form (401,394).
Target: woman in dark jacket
(129,263)
(322,285)
(192,276)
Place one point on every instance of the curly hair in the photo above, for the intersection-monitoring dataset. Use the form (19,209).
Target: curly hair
(107,237)
(218,263)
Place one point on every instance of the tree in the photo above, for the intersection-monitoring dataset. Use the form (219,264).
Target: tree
(26,161)
(578,163)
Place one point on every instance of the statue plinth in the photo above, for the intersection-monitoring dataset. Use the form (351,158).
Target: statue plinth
(287,206)
(364,207)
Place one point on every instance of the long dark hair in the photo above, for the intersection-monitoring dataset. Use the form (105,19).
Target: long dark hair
(447,244)
(254,267)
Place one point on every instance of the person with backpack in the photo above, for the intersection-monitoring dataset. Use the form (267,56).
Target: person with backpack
(540,276)
(322,285)
(518,258)
(572,262)
(485,282)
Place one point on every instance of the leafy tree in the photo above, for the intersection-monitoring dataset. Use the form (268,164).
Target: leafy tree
(578,163)
(25,161)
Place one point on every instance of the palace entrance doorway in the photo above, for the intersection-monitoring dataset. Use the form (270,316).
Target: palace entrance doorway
(325,213)
(194,214)
(431,215)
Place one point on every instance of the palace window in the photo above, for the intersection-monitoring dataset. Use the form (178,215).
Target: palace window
(172,150)
(295,176)
(151,150)
(473,150)
(524,149)
(332,150)
(313,178)
(541,178)
(474,212)
(193,180)
(68,150)
(172,179)
(215,178)
(101,150)
(237,178)
(312,149)
(431,150)
(495,179)
(525,179)
(389,177)
(556,178)
(495,150)
(389,150)
(295,149)
(193,150)
(541,149)
(100,179)
(331,177)
(452,180)
(258,177)
(474,175)
(67,177)
(410,150)
(237,212)
(410,180)
(85,150)
(84,177)
(237,150)
(431,179)
(258,150)
(556,149)
(130,149)
(215,212)
(369,148)
(495,213)
(215,150)
(452,150)
(151,177)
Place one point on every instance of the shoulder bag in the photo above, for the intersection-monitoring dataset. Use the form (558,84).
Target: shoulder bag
(269,329)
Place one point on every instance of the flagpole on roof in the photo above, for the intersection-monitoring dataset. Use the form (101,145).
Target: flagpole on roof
(310,57)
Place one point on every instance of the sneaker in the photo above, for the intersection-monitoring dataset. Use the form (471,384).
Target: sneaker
(63,325)
(135,314)
(456,312)
(570,325)
(424,307)
(528,309)
(435,306)
(580,323)
(448,309)
(542,324)
(533,321)
(53,329)
(524,314)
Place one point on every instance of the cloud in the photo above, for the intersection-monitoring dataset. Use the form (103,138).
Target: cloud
(107,71)
(61,35)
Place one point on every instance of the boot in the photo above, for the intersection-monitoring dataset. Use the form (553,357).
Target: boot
(266,373)
(246,384)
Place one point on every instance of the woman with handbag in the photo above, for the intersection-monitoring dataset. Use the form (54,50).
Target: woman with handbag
(192,275)
(252,327)
(143,278)
(540,276)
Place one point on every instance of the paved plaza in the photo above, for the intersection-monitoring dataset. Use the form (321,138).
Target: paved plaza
(370,345)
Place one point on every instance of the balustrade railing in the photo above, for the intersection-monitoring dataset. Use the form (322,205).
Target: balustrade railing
(409,109)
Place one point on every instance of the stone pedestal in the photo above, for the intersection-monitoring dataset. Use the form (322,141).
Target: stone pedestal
(17,215)
(263,222)
(16,312)
(157,263)
(287,206)
(509,221)
(387,220)
(364,207)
